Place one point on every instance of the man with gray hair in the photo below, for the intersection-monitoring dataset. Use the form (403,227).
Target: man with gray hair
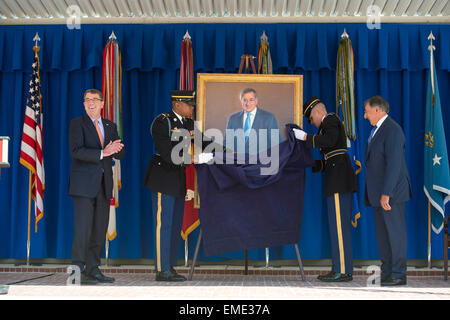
(251,119)
(387,189)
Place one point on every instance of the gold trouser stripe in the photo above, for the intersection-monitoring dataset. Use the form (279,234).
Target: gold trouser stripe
(339,232)
(158,234)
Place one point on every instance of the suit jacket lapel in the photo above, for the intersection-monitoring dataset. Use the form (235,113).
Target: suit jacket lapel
(91,127)
(107,130)
(380,130)
(241,119)
(376,136)
(256,122)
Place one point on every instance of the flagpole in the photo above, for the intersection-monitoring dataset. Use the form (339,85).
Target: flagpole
(186,84)
(186,37)
(429,235)
(430,48)
(29,217)
(264,39)
(186,252)
(106,251)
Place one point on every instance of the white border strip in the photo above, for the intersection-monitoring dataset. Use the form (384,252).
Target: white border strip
(175,20)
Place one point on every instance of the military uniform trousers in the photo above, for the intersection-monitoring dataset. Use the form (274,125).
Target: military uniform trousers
(168,219)
(339,221)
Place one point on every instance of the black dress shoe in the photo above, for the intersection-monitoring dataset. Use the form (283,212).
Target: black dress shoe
(390,282)
(84,279)
(87,280)
(169,276)
(173,272)
(101,277)
(335,277)
(321,276)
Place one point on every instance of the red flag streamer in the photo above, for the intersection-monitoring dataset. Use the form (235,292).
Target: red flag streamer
(190,218)
(112,95)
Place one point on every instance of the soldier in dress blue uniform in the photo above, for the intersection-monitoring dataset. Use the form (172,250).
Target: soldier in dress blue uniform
(340,183)
(166,178)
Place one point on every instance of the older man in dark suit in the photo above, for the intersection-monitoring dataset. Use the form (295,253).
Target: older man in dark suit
(93,142)
(251,119)
(387,189)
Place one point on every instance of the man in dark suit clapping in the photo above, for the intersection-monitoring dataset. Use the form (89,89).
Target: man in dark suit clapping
(387,189)
(93,142)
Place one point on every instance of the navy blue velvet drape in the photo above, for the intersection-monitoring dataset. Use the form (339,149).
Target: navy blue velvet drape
(392,61)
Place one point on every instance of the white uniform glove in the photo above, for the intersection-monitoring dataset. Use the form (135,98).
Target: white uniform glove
(299,134)
(205,157)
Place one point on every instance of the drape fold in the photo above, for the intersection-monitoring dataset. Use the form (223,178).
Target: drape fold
(295,46)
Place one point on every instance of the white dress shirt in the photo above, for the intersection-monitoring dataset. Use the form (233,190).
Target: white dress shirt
(252,117)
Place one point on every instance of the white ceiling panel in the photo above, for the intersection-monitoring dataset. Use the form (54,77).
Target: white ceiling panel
(216,11)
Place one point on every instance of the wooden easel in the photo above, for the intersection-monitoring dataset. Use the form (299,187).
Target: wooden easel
(245,58)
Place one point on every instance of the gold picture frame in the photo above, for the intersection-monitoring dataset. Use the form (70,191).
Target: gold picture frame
(218,97)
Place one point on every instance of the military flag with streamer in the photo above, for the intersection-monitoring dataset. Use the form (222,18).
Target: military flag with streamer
(436,167)
(345,107)
(190,217)
(112,95)
(264,67)
(264,59)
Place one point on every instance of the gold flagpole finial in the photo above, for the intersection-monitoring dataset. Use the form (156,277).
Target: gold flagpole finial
(344,34)
(187,36)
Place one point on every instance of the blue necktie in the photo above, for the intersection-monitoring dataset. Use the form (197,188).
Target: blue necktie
(247,126)
(371,133)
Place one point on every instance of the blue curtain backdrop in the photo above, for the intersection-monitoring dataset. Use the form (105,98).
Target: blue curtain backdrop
(392,61)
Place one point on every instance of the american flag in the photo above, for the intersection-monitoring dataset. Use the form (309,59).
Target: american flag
(31,155)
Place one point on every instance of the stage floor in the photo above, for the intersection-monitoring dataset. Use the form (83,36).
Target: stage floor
(218,283)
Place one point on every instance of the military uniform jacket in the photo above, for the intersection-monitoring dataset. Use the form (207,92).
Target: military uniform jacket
(162,174)
(332,143)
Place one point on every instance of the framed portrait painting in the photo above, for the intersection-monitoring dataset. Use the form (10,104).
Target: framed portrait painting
(219,96)
(223,99)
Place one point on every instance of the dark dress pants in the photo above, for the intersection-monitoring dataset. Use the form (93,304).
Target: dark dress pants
(91,217)
(390,230)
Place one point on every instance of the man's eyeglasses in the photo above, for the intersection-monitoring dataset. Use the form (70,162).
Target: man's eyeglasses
(92,100)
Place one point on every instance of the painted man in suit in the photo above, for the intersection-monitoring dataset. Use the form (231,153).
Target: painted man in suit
(251,119)
(340,183)
(387,189)
(93,142)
